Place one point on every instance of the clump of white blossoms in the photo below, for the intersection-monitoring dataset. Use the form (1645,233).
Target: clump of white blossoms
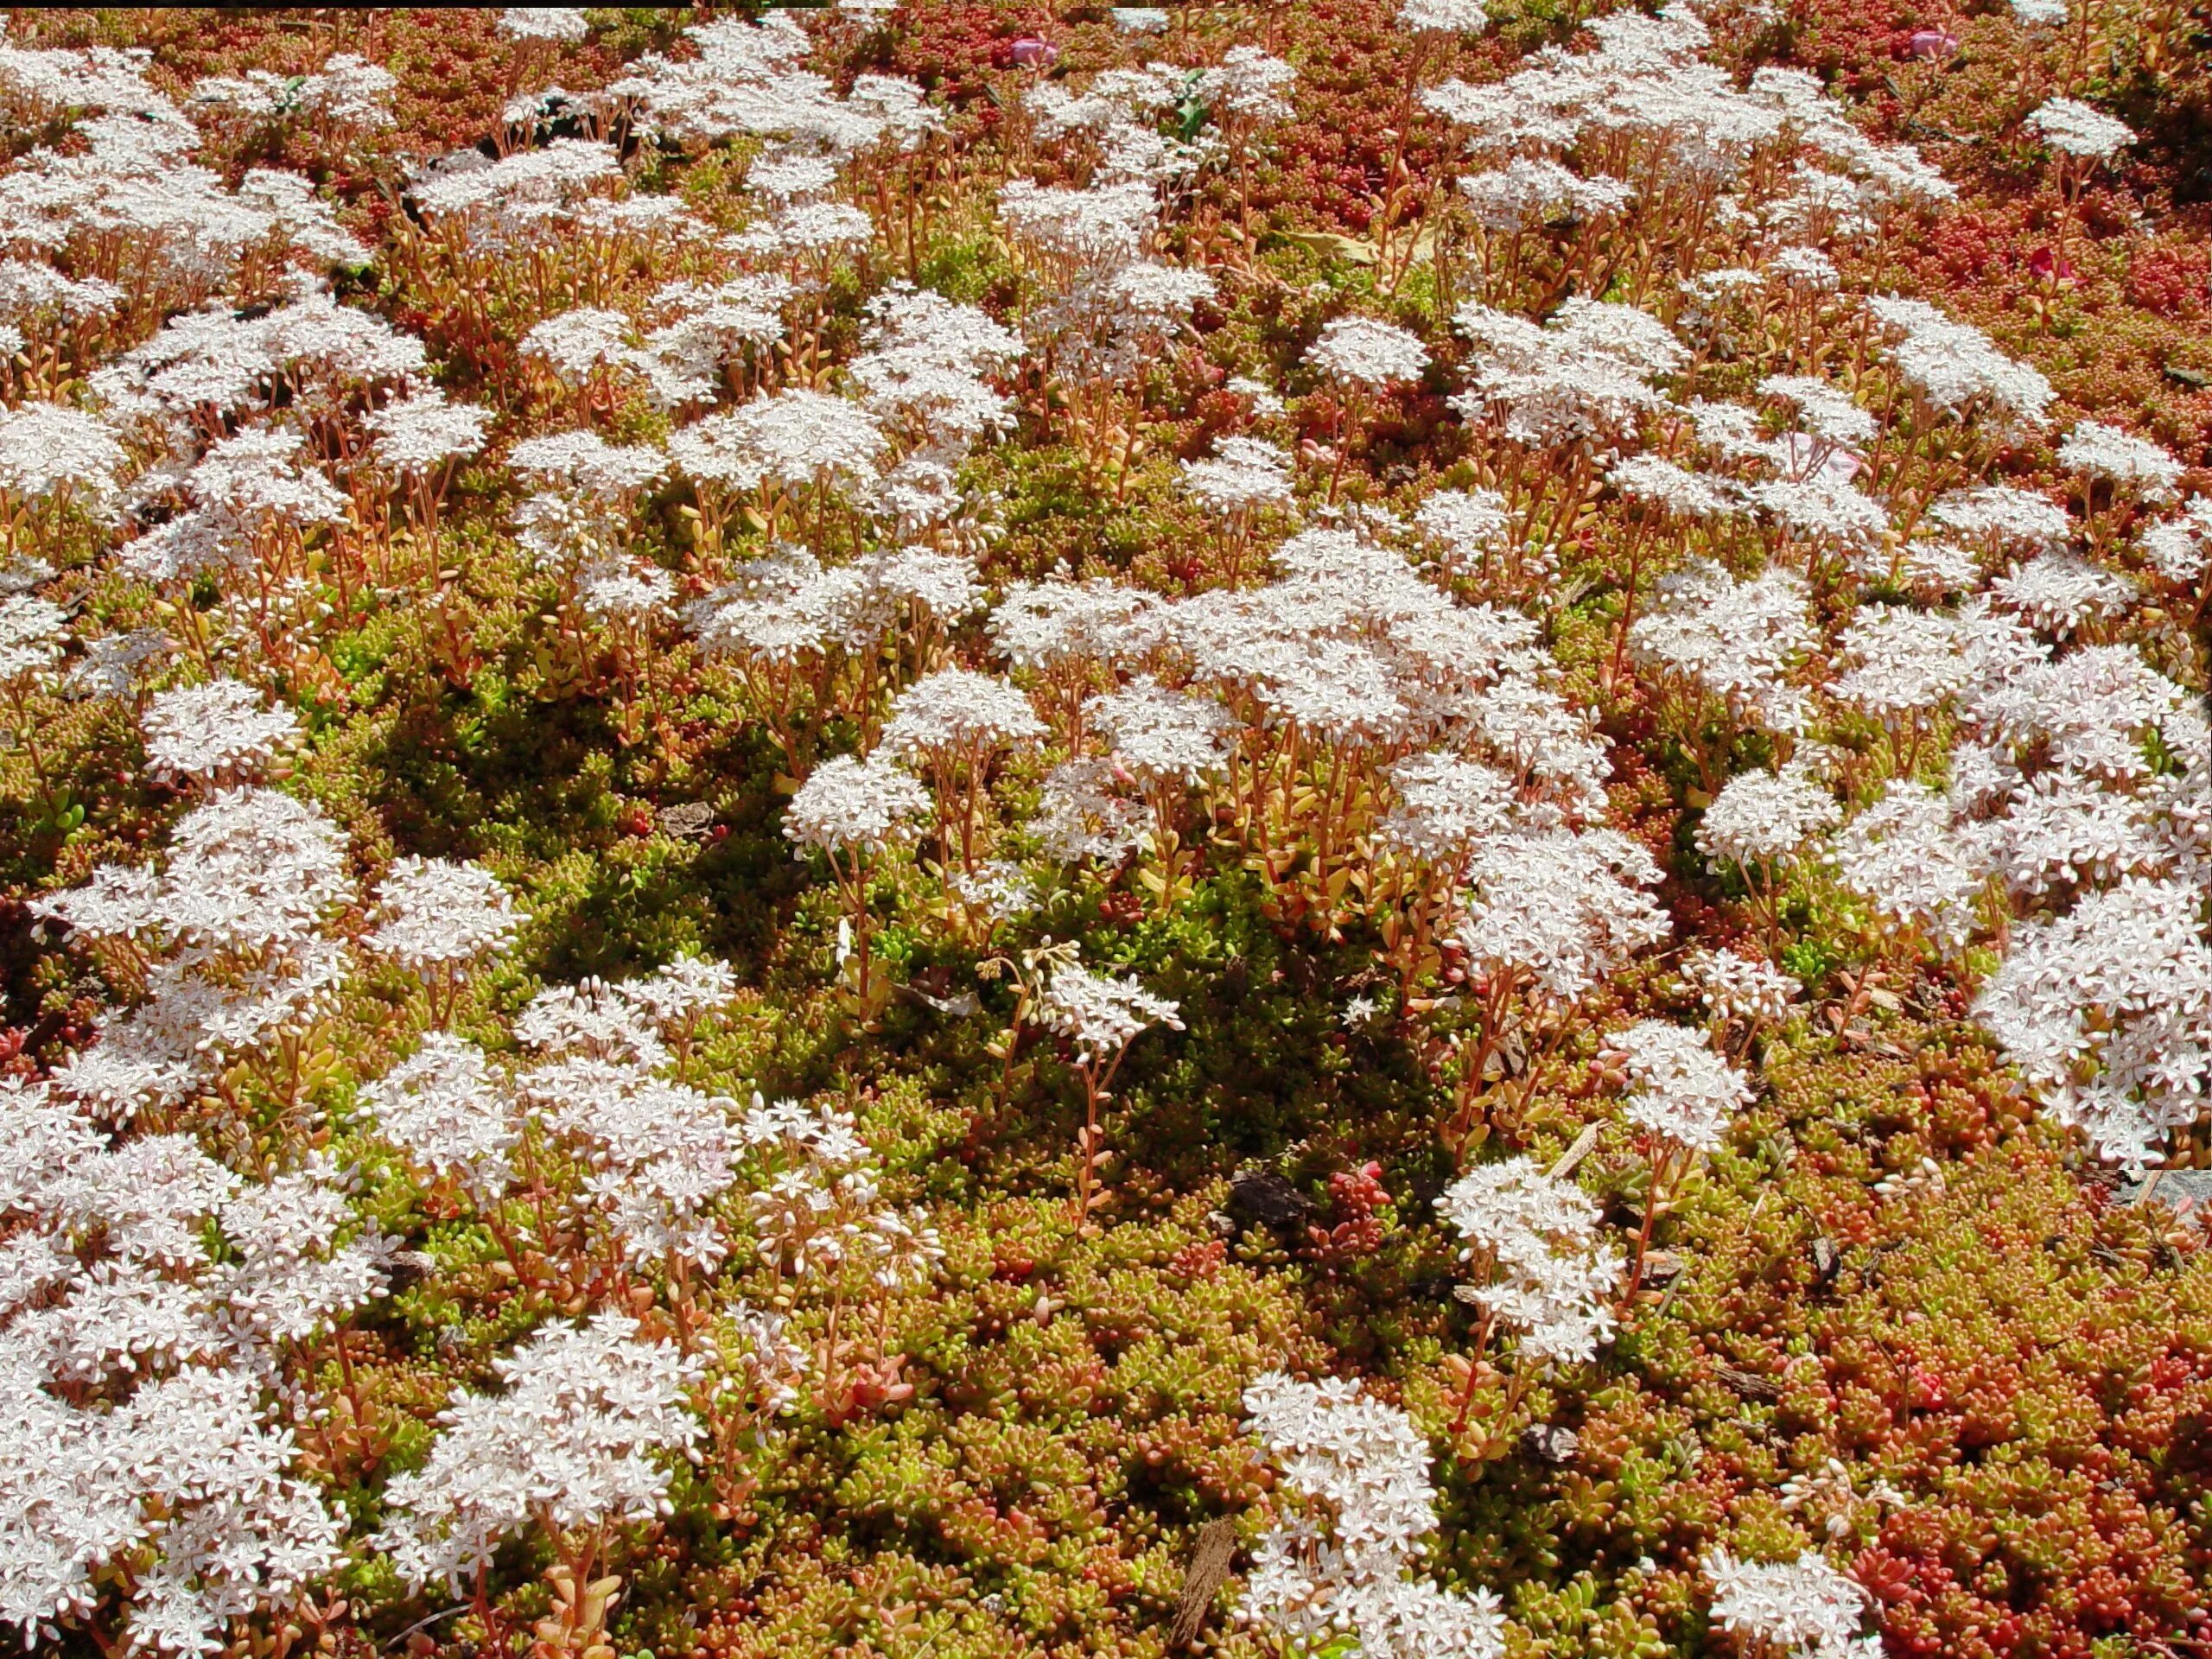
(1679,1088)
(1341,1560)
(1164,736)
(1921,869)
(1766,819)
(1368,352)
(1539,1265)
(187,1481)
(445,1107)
(1444,16)
(1736,988)
(31,633)
(2136,465)
(2062,595)
(215,733)
(851,811)
(229,938)
(1241,476)
(850,805)
(50,452)
(544,22)
(1708,635)
(1958,368)
(437,918)
(1559,909)
(2001,514)
(2078,130)
(568,1445)
(150,1297)
(2107,1009)
(417,435)
(951,724)
(1802,1609)
(1102,1013)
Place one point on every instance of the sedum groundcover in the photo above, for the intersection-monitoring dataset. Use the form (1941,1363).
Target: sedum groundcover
(1375,827)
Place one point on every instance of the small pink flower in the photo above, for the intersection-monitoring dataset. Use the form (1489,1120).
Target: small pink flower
(1031,53)
(1931,44)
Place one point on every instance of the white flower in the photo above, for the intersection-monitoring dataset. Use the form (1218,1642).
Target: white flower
(31,632)
(47,450)
(218,729)
(1737,641)
(956,709)
(568,1441)
(1101,1013)
(2001,512)
(1763,817)
(1957,368)
(1167,736)
(577,341)
(849,804)
(2077,130)
(1562,907)
(1827,411)
(1585,372)
(585,461)
(2177,547)
(1909,661)
(1357,1473)
(252,868)
(443,1106)
(1080,817)
(1804,1608)
(1907,856)
(2105,452)
(1524,191)
(1741,987)
(1682,492)
(543,23)
(439,913)
(1242,473)
(1446,806)
(1369,351)
(1444,16)
(1679,1088)
(417,433)
(1547,1274)
(2061,593)
(2108,1011)
(1466,522)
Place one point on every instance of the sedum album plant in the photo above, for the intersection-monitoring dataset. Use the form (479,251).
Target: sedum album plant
(1540,677)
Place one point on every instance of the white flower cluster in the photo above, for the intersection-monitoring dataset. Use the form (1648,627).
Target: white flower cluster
(1766,819)
(570,1442)
(854,806)
(440,914)
(1735,641)
(218,731)
(2108,1010)
(1804,1608)
(2076,129)
(1679,1088)
(1368,352)
(1541,1268)
(1341,1563)
(1102,1013)
(1739,988)
(146,1292)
